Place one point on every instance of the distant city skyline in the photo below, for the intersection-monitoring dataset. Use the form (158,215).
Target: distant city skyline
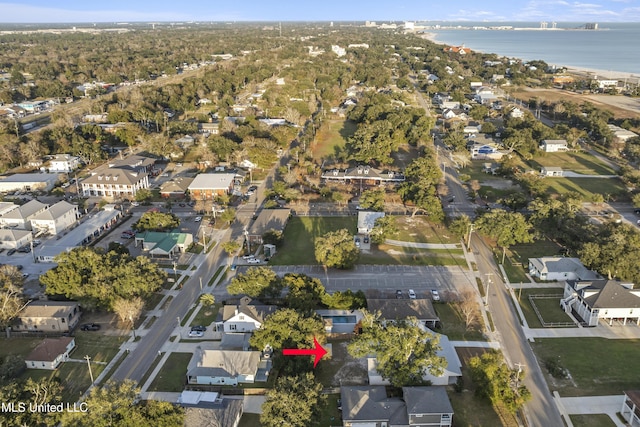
(61,11)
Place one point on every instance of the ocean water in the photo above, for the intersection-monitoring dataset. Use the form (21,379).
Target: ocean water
(613,47)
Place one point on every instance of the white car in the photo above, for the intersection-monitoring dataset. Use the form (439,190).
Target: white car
(248,256)
(135,204)
(198,219)
(435,295)
(196,334)
(412,294)
(254,261)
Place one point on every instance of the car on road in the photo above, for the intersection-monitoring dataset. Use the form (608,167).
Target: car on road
(412,294)
(198,219)
(196,334)
(636,211)
(24,249)
(199,328)
(249,193)
(254,261)
(90,327)
(357,241)
(435,295)
(366,239)
(25,275)
(250,256)
(135,204)
(182,205)
(398,294)
(127,235)
(253,188)
(11,251)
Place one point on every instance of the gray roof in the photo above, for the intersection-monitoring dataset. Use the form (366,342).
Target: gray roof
(397,309)
(12,234)
(212,181)
(269,219)
(363,173)
(247,307)
(370,403)
(25,211)
(427,400)
(554,142)
(56,211)
(367,219)
(223,363)
(127,171)
(606,294)
(555,264)
(176,185)
(32,177)
(49,309)
(222,414)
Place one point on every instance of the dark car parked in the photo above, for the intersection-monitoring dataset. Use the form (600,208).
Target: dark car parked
(90,327)
(199,328)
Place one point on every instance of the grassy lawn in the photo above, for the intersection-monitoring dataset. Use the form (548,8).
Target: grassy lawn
(474,170)
(549,308)
(249,420)
(453,325)
(331,138)
(206,315)
(218,272)
(172,375)
(517,260)
(592,420)
(419,230)
(75,375)
(153,300)
(300,234)
(597,366)
(330,416)
(588,186)
(582,163)
(469,409)
(399,255)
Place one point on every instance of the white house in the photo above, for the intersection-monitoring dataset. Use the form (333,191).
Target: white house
(48,316)
(556,268)
(206,186)
(553,145)
(55,219)
(602,299)
(247,316)
(486,151)
(63,163)
(367,220)
(11,238)
(28,182)
(221,367)
(516,113)
(50,353)
(551,171)
(621,133)
(631,407)
(22,215)
(119,178)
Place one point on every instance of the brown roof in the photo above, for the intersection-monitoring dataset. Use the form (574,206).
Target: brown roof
(270,219)
(49,349)
(634,396)
(249,308)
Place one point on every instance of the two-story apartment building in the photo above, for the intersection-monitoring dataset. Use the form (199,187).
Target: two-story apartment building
(55,219)
(119,178)
(48,316)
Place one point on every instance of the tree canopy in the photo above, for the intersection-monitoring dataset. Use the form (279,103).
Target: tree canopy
(384,227)
(404,351)
(507,228)
(98,279)
(373,199)
(256,282)
(156,221)
(336,249)
(295,401)
(422,178)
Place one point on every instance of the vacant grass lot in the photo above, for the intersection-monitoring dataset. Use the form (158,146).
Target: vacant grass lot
(517,261)
(419,230)
(597,366)
(474,170)
(331,139)
(206,315)
(588,186)
(453,325)
(301,233)
(399,255)
(173,374)
(583,163)
(592,420)
(549,308)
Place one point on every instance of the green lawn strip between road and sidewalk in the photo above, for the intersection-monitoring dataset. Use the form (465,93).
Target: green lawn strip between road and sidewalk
(597,366)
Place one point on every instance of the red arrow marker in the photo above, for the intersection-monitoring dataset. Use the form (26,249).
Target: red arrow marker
(318,352)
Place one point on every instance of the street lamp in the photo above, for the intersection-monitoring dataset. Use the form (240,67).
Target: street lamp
(175,273)
(132,327)
(246,237)
(469,238)
(488,286)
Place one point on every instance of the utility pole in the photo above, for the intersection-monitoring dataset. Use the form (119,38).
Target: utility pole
(520,366)
(488,286)
(89,365)
(469,238)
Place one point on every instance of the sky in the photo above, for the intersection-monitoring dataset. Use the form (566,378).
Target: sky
(40,11)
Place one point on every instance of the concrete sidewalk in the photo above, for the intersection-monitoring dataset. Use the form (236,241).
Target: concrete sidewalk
(585,405)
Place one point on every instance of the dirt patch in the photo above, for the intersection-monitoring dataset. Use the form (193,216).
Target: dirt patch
(109,323)
(353,371)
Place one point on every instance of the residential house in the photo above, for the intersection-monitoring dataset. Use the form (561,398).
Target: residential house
(621,133)
(210,409)
(516,113)
(28,182)
(11,238)
(55,219)
(451,372)
(608,300)
(461,50)
(48,316)
(367,220)
(185,142)
(119,178)
(212,128)
(453,105)
(63,163)
(92,227)
(631,408)
(164,244)
(369,406)
(486,151)
(222,367)
(398,309)
(268,219)
(560,269)
(207,186)
(175,188)
(449,114)
(553,145)
(551,171)
(22,215)
(340,321)
(363,175)
(246,316)
(50,353)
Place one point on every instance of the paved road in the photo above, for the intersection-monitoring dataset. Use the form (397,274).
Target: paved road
(541,409)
